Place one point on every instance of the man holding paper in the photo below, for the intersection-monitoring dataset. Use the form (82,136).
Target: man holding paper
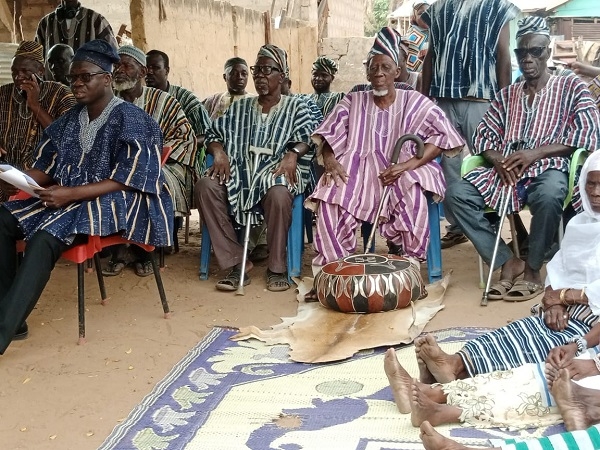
(99,165)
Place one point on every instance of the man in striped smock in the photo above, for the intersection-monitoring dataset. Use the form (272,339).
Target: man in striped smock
(177,134)
(528,134)
(74,25)
(100,167)
(278,127)
(356,142)
(324,70)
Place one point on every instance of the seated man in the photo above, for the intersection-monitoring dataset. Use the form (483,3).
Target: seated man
(129,74)
(278,128)
(58,61)
(357,140)
(99,165)
(236,78)
(528,134)
(323,74)
(28,105)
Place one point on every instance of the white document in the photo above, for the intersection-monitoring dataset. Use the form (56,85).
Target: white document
(18,179)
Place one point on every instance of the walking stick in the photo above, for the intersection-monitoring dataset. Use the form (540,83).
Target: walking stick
(386,191)
(256,152)
(504,210)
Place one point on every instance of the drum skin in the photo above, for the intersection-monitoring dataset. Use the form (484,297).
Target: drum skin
(369,283)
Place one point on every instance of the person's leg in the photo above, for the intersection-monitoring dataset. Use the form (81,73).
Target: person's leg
(43,250)
(451,168)
(211,198)
(9,234)
(432,440)
(545,196)
(277,205)
(423,408)
(335,235)
(579,406)
(435,365)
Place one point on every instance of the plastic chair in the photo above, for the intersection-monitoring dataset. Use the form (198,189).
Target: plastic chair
(295,243)
(577,159)
(434,249)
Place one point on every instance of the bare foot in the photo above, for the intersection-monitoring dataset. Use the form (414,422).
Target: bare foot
(439,363)
(423,408)
(400,381)
(571,406)
(512,269)
(551,374)
(432,440)
(425,375)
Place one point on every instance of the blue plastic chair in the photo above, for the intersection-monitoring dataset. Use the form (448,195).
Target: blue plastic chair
(434,250)
(295,243)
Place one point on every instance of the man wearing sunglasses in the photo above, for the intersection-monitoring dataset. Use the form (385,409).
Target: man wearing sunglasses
(278,129)
(99,166)
(527,135)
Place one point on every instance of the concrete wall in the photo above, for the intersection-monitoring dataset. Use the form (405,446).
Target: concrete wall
(346,18)
(199,35)
(349,53)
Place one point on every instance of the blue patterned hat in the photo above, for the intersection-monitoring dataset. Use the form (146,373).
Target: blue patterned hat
(98,52)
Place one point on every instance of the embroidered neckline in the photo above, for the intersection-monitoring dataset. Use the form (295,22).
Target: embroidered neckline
(89,130)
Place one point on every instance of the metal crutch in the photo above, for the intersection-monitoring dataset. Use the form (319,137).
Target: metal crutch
(257,152)
(386,191)
(504,210)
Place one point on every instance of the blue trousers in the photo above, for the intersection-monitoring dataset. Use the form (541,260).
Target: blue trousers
(545,197)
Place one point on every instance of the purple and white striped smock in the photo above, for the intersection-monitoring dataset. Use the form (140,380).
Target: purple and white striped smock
(362,137)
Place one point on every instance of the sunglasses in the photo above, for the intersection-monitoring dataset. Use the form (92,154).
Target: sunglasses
(536,52)
(84,77)
(265,70)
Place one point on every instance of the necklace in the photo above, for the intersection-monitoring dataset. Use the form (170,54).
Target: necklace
(74,24)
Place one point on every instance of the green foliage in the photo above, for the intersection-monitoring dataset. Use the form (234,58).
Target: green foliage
(377,18)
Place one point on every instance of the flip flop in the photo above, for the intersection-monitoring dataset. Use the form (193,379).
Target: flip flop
(502,287)
(143,269)
(114,268)
(523,290)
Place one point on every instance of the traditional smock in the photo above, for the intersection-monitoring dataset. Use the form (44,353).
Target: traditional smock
(123,144)
(326,101)
(244,126)
(217,104)
(177,134)
(563,112)
(576,265)
(362,137)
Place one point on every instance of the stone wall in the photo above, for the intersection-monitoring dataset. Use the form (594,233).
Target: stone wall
(199,35)
(349,53)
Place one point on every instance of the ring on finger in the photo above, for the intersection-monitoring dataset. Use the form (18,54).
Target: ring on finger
(565,316)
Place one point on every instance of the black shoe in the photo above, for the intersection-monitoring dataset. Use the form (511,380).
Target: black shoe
(395,249)
(21,333)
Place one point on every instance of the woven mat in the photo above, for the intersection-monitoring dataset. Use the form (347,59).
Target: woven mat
(247,395)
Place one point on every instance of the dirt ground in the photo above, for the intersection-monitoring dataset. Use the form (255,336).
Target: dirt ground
(56,394)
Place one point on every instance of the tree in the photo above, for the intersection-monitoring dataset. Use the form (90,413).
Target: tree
(376,18)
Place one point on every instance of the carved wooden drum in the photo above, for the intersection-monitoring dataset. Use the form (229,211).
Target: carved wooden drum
(369,283)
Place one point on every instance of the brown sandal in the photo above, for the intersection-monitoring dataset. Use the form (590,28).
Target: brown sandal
(523,290)
(501,287)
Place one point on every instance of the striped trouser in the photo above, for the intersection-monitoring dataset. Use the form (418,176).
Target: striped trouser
(572,440)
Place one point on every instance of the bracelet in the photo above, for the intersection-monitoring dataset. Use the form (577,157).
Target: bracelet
(552,306)
(561,297)
(581,344)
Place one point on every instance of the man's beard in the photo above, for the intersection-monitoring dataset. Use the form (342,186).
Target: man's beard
(380,93)
(120,86)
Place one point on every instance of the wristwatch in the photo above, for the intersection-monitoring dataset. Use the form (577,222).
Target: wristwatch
(294,150)
(581,344)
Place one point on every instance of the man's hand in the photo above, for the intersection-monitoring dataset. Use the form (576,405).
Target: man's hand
(8,188)
(556,317)
(508,178)
(32,88)
(220,168)
(559,357)
(392,173)
(334,171)
(519,161)
(57,196)
(287,168)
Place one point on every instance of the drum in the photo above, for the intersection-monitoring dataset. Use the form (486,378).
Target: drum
(369,283)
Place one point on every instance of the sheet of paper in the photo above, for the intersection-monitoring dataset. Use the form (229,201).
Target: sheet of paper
(19,179)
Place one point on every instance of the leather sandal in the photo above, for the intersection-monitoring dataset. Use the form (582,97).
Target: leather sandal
(501,288)
(232,281)
(143,268)
(277,282)
(523,290)
(114,268)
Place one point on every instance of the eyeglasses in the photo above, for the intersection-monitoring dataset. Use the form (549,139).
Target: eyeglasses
(265,70)
(536,52)
(84,77)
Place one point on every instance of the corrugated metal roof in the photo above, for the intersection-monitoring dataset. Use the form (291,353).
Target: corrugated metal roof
(7,52)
